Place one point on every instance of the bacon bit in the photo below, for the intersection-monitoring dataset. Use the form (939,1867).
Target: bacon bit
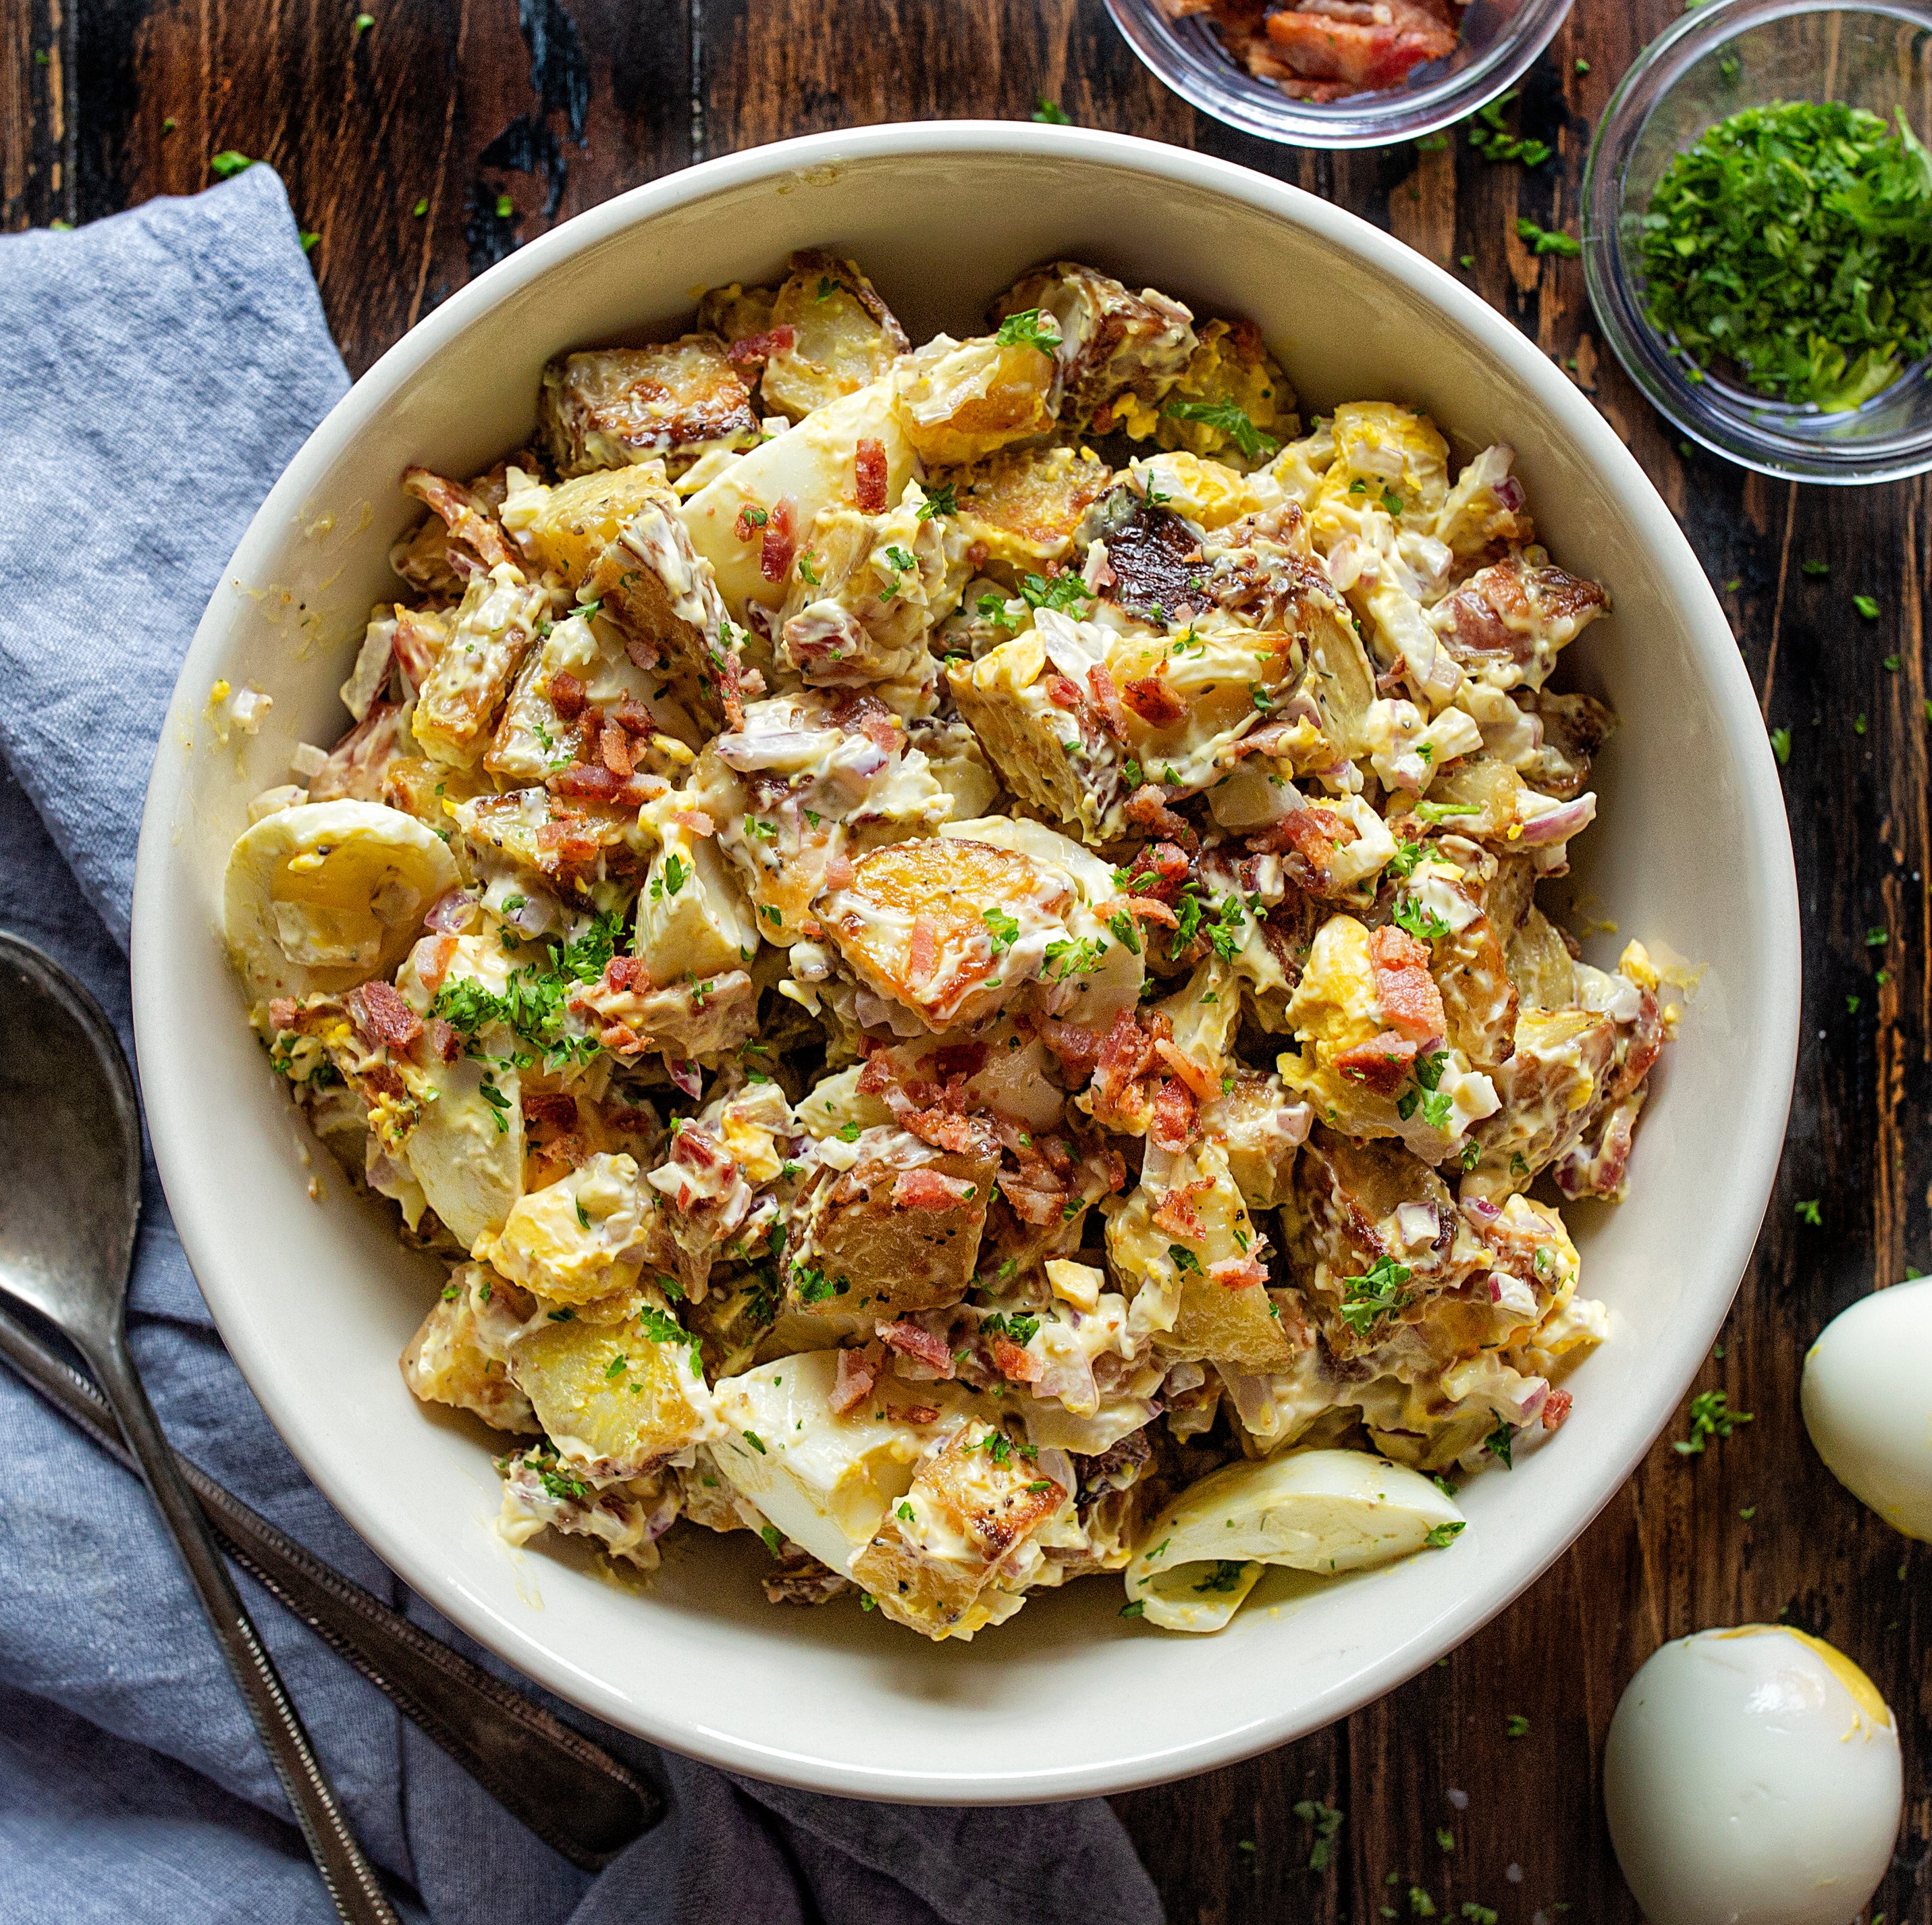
(449,915)
(1175,1212)
(914,1414)
(1238,1272)
(687,1077)
(1406,992)
(620,1039)
(868,476)
(590,779)
(1204,1084)
(642,650)
(781,543)
(930,1190)
(445,1039)
(1146,809)
(1020,1365)
(1159,870)
(695,819)
(384,1080)
(555,1109)
(1556,1408)
(1174,1119)
(617,750)
(962,1060)
(1381,1064)
(382,1019)
(947,1130)
(839,873)
(418,640)
(922,950)
(880,730)
(461,512)
(1107,700)
(1062,692)
(976,555)
(1153,701)
(567,695)
(857,1374)
(877,1072)
(748,348)
(1078,1049)
(1313,835)
(1125,1054)
(283,1011)
(633,718)
(1147,909)
(921,1346)
(622,973)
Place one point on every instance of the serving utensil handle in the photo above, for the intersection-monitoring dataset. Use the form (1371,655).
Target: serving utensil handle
(351,1879)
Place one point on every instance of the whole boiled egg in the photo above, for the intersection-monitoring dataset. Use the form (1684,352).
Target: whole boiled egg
(1867,1401)
(1752,1776)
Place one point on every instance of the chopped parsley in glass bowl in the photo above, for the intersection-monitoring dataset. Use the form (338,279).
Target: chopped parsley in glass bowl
(1758,234)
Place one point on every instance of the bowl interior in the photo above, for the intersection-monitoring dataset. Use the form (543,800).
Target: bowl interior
(1748,53)
(316,1298)
(1500,39)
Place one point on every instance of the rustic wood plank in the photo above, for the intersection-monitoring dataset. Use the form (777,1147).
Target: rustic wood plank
(557,103)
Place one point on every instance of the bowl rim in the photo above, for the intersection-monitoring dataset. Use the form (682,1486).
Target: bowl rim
(1611,282)
(224,1269)
(1212,84)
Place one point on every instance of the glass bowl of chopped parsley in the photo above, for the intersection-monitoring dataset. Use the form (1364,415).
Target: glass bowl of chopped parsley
(1758,234)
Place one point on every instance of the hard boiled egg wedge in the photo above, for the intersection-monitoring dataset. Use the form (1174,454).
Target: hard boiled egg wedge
(1752,1777)
(1867,1402)
(326,896)
(1328,1511)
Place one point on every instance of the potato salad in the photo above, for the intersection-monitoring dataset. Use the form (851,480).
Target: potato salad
(943,941)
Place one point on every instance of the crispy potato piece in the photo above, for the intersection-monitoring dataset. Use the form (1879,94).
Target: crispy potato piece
(428,790)
(566,528)
(614,406)
(615,1400)
(453,1359)
(585,1237)
(928,924)
(1549,1089)
(570,845)
(493,633)
(845,335)
(1540,964)
(1115,346)
(1231,377)
(959,401)
(693,919)
(973,1504)
(883,1237)
(1024,504)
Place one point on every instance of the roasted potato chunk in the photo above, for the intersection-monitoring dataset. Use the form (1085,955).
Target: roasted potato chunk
(973,1504)
(1024,505)
(958,401)
(456,1357)
(900,1229)
(1232,401)
(493,633)
(843,335)
(566,528)
(615,405)
(617,1399)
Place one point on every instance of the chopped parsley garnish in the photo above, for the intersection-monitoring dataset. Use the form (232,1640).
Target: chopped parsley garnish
(1327,1820)
(1025,329)
(1136,1609)
(1711,1415)
(1546,240)
(676,873)
(1792,244)
(1002,930)
(1225,1575)
(1808,1212)
(1866,606)
(1051,113)
(1494,142)
(1403,862)
(616,1367)
(757,1443)
(1125,934)
(1373,1294)
(940,501)
(848,1132)
(1232,419)
(1421,921)
(1184,1259)
(1021,1328)
(1499,1443)
(1060,594)
(1441,1536)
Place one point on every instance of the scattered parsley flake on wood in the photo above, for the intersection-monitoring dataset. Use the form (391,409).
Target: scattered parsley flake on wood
(1051,113)
(230,162)
(1780,745)
(1711,1415)
(1866,606)
(1792,245)
(1547,241)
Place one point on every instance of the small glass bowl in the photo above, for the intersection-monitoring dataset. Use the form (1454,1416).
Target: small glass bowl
(1501,38)
(1727,56)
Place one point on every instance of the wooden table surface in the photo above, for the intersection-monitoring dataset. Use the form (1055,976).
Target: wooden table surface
(558,104)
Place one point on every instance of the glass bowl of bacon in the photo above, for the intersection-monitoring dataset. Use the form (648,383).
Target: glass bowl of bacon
(1339,73)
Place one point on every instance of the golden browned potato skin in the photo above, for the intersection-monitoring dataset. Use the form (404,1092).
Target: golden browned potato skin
(615,405)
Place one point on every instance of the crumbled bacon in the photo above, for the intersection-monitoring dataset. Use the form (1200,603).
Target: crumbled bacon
(1406,992)
(633,718)
(1556,1408)
(1077,1048)
(929,1189)
(838,872)
(283,1011)
(622,973)
(914,1414)
(1309,838)
(1146,809)
(922,950)
(780,542)
(695,819)
(1153,701)
(962,1060)
(1174,1119)
(1195,1075)
(445,1039)
(1014,1362)
(1107,700)
(909,1340)
(1381,1064)
(594,782)
(567,695)
(462,511)
(857,1374)
(556,1109)
(383,1079)
(382,1019)
(1062,692)
(1238,1272)
(749,348)
(616,747)
(1175,1212)
(868,476)
(946,1129)
(1151,908)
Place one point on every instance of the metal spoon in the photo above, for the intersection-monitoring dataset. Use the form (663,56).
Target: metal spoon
(70,1144)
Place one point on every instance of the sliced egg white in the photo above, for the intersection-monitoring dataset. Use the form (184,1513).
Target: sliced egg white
(1327,1511)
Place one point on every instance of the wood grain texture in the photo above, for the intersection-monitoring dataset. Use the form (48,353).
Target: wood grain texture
(556,104)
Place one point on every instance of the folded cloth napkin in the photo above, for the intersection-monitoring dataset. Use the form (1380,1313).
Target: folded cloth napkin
(157,370)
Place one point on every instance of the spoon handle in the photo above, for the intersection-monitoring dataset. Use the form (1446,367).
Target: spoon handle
(577,1798)
(352,1880)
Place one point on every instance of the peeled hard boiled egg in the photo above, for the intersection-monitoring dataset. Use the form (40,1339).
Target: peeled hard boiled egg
(1752,1777)
(1867,1401)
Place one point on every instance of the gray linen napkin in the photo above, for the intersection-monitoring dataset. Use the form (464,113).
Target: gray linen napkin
(157,370)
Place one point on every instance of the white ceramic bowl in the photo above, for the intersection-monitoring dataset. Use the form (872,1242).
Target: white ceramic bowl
(316,1299)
